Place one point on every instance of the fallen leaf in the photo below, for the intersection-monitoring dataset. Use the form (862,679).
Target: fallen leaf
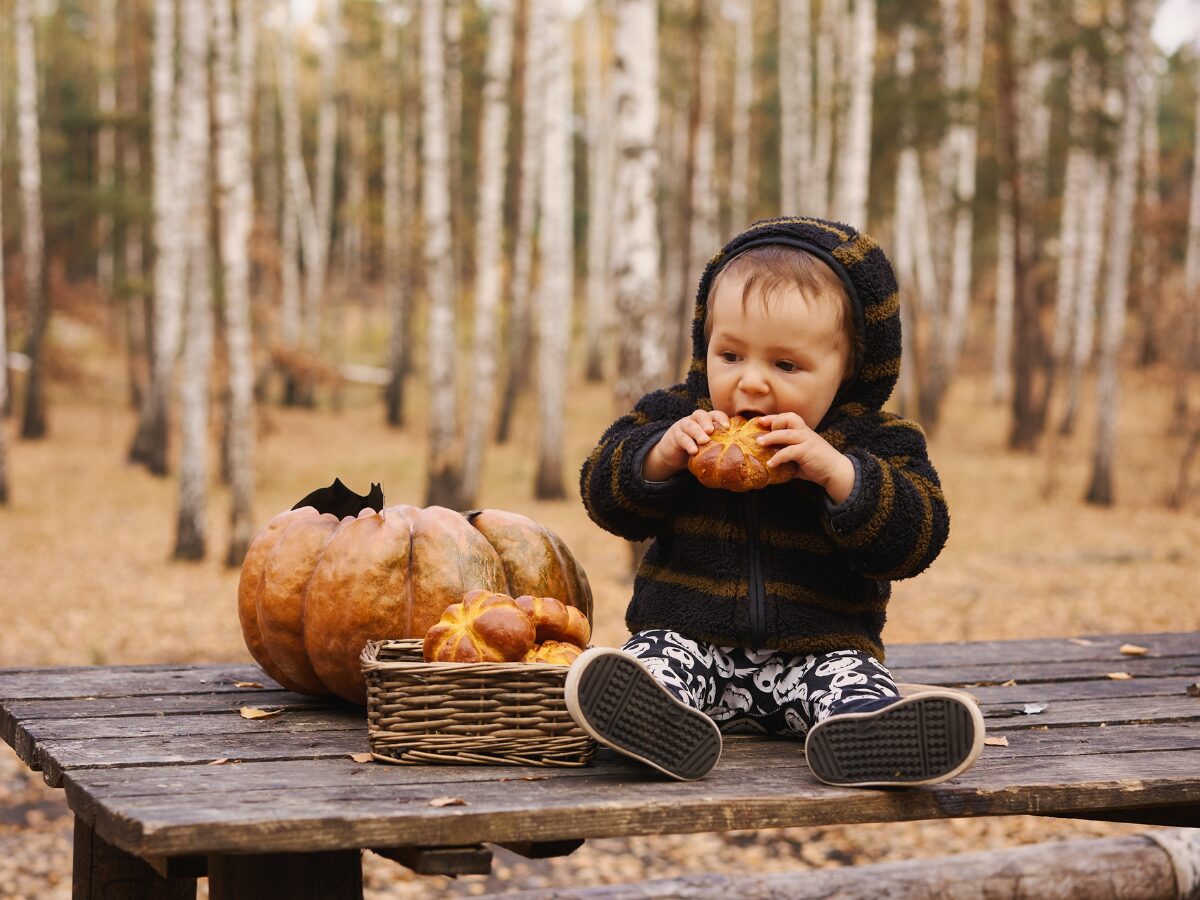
(247,684)
(1193,690)
(361,757)
(219,762)
(1133,650)
(448,801)
(996,741)
(1012,682)
(1032,709)
(253,712)
(1119,676)
(1080,642)
(534,777)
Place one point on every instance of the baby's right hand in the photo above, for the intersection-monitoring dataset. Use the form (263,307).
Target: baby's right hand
(680,442)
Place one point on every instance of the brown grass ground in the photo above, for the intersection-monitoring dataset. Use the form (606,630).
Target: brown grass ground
(85,577)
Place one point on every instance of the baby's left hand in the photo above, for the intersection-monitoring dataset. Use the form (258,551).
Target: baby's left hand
(815,458)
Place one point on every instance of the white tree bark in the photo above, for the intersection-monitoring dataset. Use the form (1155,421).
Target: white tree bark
(597,97)
(33,423)
(1006,293)
(194,153)
(795,106)
(743,100)
(827,82)
(520,304)
(489,245)
(133,287)
(1148,292)
(1120,242)
(235,203)
(393,208)
(1083,320)
(316,266)
(556,247)
(642,358)
(289,273)
(106,139)
(854,175)
(150,443)
(443,475)
(704,228)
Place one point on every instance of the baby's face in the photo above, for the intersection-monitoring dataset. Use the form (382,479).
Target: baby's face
(787,356)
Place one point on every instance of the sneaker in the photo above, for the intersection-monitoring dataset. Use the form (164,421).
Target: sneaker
(616,700)
(920,739)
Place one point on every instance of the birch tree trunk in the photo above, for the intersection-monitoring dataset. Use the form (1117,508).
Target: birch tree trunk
(599,173)
(1006,295)
(150,442)
(533,121)
(641,355)
(33,423)
(137,324)
(489,245)
(1100,489)
(443,488)
(3,342)
(743,100)
(1191,324)
(854,175)
(393,223)
(106,140)
(556,293)
(795,106)
(459,214)
(194,153)
(235,203)
(827,80)
(1148,292)
(317,265)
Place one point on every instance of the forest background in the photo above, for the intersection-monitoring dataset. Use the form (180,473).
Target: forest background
(249,246)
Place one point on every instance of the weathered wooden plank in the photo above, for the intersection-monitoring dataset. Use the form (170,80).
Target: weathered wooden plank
(1096,689)
(968,674)
(621,804)
(330,875)
(118,681)
(1007,716)
(166,704)
(101,871)
(474,859)
(1063,649)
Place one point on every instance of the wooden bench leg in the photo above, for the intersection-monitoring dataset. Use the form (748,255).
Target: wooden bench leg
(102,871)
(333,875)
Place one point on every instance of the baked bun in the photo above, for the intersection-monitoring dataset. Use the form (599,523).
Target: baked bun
(733,460)
(484,627)
(555,621)
(555,653)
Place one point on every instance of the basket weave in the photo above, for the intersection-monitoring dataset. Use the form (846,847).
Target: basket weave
(476,713)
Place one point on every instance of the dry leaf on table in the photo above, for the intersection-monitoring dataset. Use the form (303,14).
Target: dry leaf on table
(1119,676)
(996,741)
(219,762)
(361,757)
(1080,642)
(253,712)
(247,684)
(1133,650)
(1032,709)
(448,801)
(1012,682)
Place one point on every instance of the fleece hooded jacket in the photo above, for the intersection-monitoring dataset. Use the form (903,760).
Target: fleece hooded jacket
(782,567)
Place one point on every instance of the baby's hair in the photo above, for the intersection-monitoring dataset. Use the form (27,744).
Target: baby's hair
(772,267)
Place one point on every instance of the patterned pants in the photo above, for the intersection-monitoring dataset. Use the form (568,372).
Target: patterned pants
(763,691)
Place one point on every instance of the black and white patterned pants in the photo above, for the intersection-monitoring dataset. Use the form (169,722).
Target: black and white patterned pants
(764,691)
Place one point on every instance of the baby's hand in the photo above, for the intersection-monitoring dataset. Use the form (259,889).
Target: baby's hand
(816,459)
(680,443)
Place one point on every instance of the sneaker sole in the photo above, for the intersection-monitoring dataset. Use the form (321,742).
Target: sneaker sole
(922,739)
(613,698)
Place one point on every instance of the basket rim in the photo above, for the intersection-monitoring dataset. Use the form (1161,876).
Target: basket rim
(372,663)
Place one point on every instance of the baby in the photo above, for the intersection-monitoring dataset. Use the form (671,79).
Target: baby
(763,610)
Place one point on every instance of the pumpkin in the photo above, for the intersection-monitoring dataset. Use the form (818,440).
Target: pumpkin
(733,460)
(485,627)
(339,569)
(555,653)
(555,621)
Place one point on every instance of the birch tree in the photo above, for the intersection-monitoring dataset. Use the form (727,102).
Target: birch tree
(556,247)
(33,423)
(827,83)
(597,108)
(3,338)
(133,280)
(236,207)
(528,184)
(1150,276)
(641,353)
(1100,488)
(393,223)
(106,139)
(743,99)
(795,106)
(443,488)
(489,245)
(194,152)
(855,157)
(1191,279)
(150,442)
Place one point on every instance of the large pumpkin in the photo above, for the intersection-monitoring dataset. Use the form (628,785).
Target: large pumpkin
(322,579)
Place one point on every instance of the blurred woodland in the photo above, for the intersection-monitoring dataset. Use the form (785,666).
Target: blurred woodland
(263,203)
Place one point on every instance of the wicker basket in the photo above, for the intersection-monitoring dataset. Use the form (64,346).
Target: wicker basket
(473,713)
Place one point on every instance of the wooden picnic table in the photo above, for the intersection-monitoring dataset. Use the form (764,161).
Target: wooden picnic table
(168,782)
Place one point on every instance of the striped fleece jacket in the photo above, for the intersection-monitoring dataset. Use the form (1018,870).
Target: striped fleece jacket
(781,567)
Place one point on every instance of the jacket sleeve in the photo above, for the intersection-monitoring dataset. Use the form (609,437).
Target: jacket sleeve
(615,494)
(895,521)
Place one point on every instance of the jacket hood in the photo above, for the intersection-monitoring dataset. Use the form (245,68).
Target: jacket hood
(869,280)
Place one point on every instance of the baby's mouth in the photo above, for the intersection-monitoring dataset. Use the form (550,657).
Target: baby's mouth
(749,414)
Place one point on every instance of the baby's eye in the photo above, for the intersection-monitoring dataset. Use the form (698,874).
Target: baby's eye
(787,366)
(729,356)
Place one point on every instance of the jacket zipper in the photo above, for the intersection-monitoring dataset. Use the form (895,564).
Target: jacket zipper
(758,593)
